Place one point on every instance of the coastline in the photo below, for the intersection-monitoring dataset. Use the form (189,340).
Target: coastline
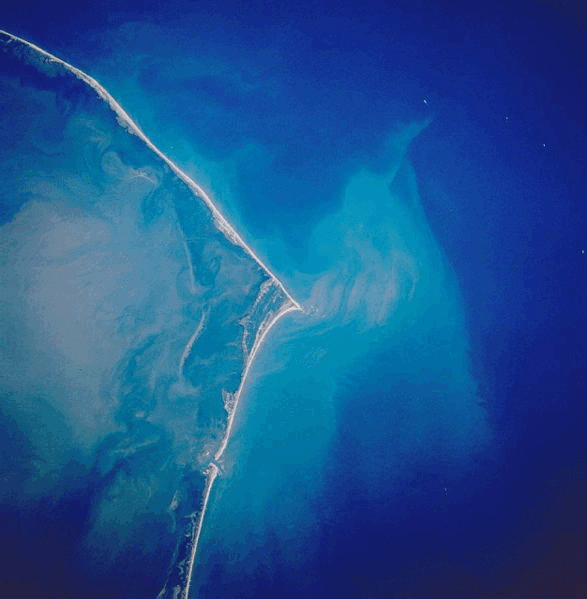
(127,122)
(214,470)
(289,304)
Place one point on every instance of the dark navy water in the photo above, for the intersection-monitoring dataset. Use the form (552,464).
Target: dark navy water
(437,450)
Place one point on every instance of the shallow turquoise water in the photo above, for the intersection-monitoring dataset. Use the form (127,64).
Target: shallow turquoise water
(414,176)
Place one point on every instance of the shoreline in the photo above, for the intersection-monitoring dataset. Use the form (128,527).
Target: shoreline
(126,121)
(214,470)
(289,305)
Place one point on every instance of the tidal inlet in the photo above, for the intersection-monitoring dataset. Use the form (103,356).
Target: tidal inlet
(178,417)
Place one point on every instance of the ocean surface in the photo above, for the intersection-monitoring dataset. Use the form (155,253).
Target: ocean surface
(293,300)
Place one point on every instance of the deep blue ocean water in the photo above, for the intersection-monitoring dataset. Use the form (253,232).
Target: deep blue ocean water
(432,446)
